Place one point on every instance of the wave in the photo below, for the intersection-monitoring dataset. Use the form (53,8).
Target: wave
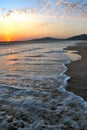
(36,98)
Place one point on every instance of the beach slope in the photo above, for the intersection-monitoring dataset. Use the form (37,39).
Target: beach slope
(77,70)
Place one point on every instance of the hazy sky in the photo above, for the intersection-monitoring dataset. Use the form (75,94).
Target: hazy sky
(28,19)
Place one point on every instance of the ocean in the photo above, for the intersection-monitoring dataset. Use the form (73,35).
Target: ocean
(33,93)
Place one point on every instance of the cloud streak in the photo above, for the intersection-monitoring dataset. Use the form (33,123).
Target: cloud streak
(63,7)
(57,8)
(8,13)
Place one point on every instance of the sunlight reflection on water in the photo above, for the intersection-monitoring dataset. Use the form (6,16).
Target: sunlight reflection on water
(30,94)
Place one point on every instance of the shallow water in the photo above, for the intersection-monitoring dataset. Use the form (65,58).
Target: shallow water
(32,89)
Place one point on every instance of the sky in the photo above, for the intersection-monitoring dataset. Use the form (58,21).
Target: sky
(29,19)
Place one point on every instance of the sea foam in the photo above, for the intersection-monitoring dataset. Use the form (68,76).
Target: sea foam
(33,92)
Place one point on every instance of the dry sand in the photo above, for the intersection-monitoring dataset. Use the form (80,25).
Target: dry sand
(77,70)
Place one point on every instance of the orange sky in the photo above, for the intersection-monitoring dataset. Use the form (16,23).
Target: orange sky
(22,25)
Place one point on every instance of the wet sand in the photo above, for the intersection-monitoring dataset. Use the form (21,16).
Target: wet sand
(77,70)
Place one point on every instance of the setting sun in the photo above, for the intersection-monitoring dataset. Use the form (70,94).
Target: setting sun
(50,18)
(8,40)
(43,64)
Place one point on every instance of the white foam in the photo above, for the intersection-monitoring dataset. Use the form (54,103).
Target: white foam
(40,101)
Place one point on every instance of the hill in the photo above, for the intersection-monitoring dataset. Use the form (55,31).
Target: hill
(78,37)
(50,39)
(46,39)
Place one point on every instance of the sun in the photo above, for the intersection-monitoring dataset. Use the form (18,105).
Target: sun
(8,40)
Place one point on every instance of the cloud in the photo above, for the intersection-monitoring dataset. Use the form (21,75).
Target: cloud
(57,8)
(11,12)
(32,10)
(3,9)
(8,13)
(61,7)
(42,24)
(43,5)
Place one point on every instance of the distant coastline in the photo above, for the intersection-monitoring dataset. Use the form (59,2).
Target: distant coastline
(48,39)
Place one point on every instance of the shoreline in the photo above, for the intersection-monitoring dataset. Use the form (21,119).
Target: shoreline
(77,70)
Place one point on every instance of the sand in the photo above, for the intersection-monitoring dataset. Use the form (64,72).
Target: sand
(77,70)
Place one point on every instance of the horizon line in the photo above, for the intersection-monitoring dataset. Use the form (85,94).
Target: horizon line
(39,38)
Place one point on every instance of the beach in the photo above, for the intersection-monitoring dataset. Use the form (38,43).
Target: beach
(77,70)
(32,93)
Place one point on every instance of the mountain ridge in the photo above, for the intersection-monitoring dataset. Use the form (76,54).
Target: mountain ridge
(51,39)
(78,37)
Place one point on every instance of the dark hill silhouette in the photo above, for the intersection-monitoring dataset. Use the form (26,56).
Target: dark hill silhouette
(46,39)
(50,39)
(78,37)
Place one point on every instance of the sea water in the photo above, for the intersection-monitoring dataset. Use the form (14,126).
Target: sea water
(32,88)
